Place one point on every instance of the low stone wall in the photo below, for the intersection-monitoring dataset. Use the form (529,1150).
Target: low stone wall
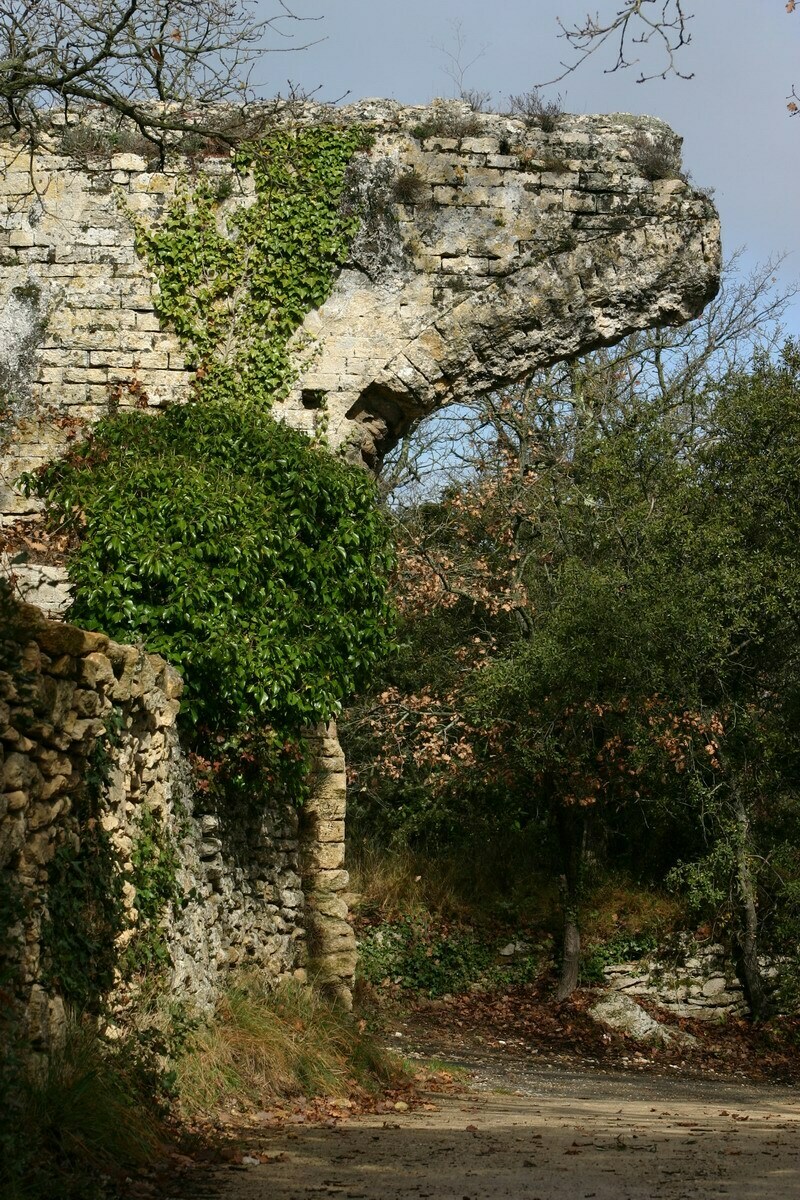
(90,762)
(703,985)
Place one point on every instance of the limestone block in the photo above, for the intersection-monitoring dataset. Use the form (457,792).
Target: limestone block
(12,836)
(19,238)
(328,905)
(329,831)
(96,671)
(625,1015)
(328,801)
(63,667)
(40,815)
(324,880)
(328,856)
(330,933)
(341,965)
(59,639)
(19,773)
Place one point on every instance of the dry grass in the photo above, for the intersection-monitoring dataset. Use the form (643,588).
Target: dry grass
(495,882)
(74,1118)
(264,1045)
(617,906)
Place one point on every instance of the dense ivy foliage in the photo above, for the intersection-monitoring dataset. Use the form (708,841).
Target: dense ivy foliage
(85,910)
(234,289)
(226,542)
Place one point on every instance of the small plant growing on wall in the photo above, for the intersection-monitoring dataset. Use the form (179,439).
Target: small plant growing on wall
(657,157)
(535,110)
(410,188)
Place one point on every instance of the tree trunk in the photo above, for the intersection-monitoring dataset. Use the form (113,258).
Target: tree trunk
(747,937)
(572,840)
(571,958)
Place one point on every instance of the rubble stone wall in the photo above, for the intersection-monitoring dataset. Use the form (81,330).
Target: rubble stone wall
(243,887)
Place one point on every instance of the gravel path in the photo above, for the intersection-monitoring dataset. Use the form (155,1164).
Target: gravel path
(530,1132)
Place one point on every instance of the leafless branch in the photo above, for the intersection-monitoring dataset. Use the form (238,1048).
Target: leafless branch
(160,64)
(660,26)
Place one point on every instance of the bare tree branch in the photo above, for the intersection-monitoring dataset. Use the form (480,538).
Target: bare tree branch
(655,25)
(161,64)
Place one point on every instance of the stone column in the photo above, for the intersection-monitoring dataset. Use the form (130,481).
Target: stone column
(331,940)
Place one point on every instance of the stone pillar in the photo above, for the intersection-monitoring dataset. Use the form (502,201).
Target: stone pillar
(331,940)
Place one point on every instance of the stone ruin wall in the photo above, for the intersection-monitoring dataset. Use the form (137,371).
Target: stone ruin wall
(265,891)
(479,258)
(514,248)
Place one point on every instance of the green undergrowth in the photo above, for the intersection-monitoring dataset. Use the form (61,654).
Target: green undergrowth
(434,923)
(76,1124)
(265,1045)
(226,542)
(100,1109)
(437,959)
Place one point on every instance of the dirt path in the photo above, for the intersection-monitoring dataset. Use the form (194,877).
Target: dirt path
(528,1132)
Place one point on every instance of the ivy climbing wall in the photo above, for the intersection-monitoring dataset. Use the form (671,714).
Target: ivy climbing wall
(469,249)
(346,271)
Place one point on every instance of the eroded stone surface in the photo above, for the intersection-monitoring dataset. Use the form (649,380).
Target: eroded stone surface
(479,258)
(622,1013)
(248,882)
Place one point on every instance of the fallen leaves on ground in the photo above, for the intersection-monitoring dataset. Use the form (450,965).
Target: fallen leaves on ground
(525,1020)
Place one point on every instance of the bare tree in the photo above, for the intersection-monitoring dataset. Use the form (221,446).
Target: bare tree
(655,27)
(663,24)
(158,63)
(671,367)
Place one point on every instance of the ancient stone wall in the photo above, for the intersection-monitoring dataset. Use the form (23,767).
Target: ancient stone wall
(700,981)
(481,255)
(487,247)
(78,711)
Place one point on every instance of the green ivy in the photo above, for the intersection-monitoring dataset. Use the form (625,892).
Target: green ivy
(235,291)
(625,947)
(154,861)
(251,559)
(85,910)
(226,542)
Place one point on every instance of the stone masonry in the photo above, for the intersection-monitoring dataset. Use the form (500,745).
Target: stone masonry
(479,259)
(487,248)
(243,884)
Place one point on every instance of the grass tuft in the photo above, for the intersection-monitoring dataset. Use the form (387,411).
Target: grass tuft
(263,1045)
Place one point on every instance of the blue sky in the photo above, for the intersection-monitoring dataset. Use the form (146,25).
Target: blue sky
(738,137)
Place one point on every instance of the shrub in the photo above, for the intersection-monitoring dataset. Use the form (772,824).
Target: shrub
(75,1122)
(225,541)
(536,111)
(657,157)
(410,188)
(447,124)
(422,956)
(623,948)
